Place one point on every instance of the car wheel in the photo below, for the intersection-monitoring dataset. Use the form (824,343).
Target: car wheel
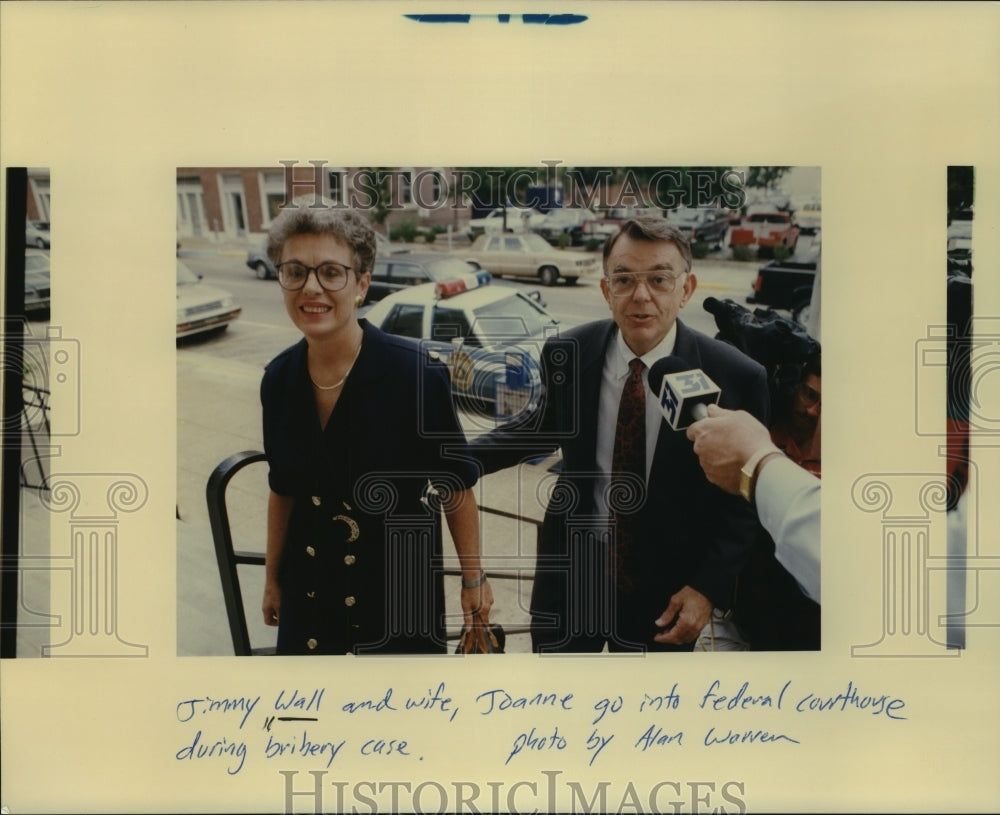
(549,275)
(260,268)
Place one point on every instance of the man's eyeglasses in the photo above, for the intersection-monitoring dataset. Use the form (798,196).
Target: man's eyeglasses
(622,284)
(292,275)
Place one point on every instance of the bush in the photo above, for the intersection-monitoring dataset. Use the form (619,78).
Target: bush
(743,252)
(429,236)
(406,231)
(593,244)
(781,252)
(699,249)
(564,240)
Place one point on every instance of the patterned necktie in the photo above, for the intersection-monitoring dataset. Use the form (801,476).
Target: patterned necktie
(628,468)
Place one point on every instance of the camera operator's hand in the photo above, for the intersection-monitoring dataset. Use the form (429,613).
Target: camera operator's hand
(724,441)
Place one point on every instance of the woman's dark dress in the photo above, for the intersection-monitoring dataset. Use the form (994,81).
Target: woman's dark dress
(361,569)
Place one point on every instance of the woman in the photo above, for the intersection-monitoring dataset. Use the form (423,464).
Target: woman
(364,449)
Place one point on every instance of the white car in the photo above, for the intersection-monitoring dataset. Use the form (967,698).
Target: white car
(36,283)
(38,234)
(519,219)
(809,217)
(201,307)
(529,255)
(489,336)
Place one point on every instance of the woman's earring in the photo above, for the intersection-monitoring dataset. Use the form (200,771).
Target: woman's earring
(359,300)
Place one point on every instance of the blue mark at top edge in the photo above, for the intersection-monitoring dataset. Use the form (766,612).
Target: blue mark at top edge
(532,19)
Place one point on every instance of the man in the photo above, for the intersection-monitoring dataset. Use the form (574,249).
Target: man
(636,547)
(786,496)
(796,426)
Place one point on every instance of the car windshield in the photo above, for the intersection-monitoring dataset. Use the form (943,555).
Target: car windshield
(511,318)
(450,267)
(536,243)
(185,275)
(34,262)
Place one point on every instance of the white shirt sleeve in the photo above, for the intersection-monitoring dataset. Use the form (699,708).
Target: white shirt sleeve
(788,505)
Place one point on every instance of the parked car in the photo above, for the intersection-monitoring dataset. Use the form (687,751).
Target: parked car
(960,247)
(36,284)
(567,221)
(528,255)
(808,217)
(518,219)
(765,229)
(607,224)
(702,224)
(489,336)
(37,233)
(395,272)
(258,261)
(201,307)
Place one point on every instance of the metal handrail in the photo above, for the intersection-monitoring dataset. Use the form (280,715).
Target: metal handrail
(226,555)
(229,558)
(32,399)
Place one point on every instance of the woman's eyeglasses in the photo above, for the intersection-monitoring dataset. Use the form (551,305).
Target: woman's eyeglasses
(331,276)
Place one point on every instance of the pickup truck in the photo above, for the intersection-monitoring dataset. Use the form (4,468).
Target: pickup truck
(784,284)
(765,230)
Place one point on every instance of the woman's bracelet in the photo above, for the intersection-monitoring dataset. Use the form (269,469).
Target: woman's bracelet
(471,584)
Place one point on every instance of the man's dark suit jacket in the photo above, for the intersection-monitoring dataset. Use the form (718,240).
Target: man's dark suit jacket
(691,532)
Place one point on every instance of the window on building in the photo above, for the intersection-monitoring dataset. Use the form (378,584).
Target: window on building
(272,192)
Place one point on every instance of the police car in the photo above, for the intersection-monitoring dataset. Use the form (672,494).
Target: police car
(489,336)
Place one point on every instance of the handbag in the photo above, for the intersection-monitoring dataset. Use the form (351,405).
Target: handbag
(481,637)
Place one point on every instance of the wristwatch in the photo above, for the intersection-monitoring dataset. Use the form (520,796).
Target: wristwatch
(750,471)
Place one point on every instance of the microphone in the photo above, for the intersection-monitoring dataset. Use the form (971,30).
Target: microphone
(684,392)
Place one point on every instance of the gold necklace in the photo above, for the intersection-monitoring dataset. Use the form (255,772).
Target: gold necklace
(342,381)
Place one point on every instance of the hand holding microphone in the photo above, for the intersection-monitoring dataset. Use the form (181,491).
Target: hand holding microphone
(726,442)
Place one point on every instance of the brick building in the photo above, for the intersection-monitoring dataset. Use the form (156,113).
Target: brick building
(235,202)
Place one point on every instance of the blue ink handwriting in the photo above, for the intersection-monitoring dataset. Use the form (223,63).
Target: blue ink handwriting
(533,741)
(222,748)
(304,747)
(187,709)
(655,737)
(747,736)
(299,701)
(499,699)
(596,742)
(742,699)
(385,703)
